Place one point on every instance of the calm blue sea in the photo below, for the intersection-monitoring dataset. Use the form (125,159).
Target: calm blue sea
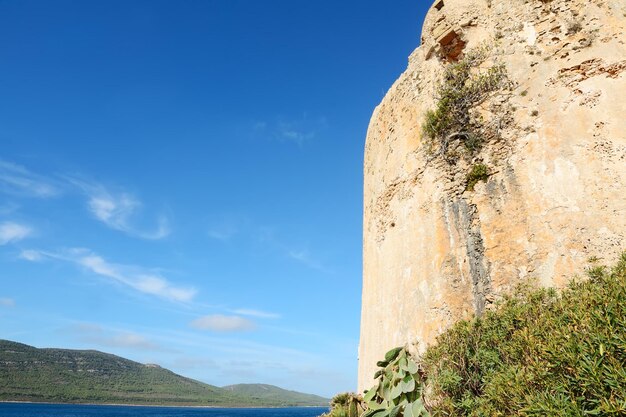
(57,410)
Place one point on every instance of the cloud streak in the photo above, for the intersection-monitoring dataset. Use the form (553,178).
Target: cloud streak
(222,323)
(17,180)
(299,131)
(117,210)
(96,335)
(227,226)
(304,257)
(137,278)
(290,131)
(255,313)
(12,232)
(223,234)
(31,255)
(8,208)
(7,302)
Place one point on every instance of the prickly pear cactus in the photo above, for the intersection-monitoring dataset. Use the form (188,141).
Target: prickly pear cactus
(399,389)
(346,404)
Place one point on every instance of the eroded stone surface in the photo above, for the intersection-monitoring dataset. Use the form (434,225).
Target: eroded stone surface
(434,252)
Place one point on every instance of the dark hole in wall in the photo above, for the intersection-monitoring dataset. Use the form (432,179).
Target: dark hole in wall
(448,38)
(452,46)
(439,5)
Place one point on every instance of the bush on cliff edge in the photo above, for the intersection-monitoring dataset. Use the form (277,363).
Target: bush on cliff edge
(540,353)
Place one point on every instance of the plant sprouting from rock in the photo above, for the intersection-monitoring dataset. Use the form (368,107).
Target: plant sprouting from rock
(479,172)
(399,389)
(465,86)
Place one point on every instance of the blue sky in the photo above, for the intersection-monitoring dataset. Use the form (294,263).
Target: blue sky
(181,181)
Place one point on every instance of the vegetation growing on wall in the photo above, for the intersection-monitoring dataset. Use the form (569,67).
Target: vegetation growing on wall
(455,118)
(540,353)
(479,172)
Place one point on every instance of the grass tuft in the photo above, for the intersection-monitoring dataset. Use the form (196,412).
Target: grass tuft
(479,172)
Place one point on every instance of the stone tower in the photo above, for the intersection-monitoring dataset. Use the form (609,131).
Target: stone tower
(434,251)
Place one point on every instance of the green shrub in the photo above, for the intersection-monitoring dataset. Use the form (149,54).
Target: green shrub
(540,353)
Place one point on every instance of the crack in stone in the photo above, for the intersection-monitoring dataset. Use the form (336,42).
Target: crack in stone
(468,225)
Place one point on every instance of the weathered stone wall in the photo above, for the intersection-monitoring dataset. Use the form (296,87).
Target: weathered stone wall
(435,252)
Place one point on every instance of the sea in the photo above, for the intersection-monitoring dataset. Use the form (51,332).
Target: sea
(71,410)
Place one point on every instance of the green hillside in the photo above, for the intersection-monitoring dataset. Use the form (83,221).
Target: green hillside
(87,376)
(271,393)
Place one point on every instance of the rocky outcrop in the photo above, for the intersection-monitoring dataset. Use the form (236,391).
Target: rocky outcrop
(434,251)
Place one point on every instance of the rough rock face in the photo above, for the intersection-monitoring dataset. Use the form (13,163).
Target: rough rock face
(435,252)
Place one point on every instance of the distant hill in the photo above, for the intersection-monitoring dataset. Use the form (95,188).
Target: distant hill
(271,393)
(88,376)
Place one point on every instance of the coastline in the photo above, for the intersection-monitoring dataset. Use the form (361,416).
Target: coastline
(160,406)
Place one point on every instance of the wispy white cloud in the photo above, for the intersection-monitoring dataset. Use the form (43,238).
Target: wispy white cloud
(141,279)
(7,302)
(13,232)
(222,323)
(255,313)
(17,180)
(222,233)
(8,208)
(299,130)
(95,334)
(117,210)
(291,132)
(194,363)
(304,256)
(226,226)
(260,126)
(126,340)
(31,255)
